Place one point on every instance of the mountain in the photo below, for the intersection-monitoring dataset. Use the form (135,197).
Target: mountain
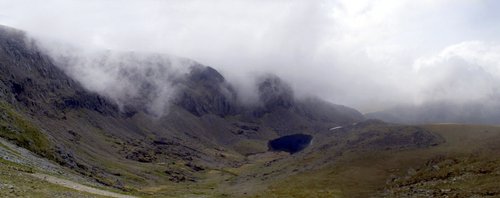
(163,132)
(85,130)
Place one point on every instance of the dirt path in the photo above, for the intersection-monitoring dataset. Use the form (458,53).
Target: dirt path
(79,187)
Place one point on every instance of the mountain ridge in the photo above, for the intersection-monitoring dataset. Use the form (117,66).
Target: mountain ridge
(204,117)
(207,142)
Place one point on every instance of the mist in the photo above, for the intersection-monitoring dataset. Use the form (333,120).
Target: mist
(131,79)
(370,55)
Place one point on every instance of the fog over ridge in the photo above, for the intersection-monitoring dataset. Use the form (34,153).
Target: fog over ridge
(144,80)
(370,55)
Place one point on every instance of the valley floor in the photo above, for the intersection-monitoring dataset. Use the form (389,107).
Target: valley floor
(467,164)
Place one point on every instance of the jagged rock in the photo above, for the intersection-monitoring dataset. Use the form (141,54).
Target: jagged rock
(274,93)
(205,91)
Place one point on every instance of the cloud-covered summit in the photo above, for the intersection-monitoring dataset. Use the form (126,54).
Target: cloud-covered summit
(366,54)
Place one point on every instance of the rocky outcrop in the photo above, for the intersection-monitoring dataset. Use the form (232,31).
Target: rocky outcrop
(445,176)
(274,93)
(205,91)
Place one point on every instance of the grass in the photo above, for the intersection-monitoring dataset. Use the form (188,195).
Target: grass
(23,133)
(365,174)
(247,147)
(16,181)
(353,174)
(468,176)
(15,166)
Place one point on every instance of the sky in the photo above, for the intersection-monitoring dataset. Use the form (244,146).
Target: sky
(367,54)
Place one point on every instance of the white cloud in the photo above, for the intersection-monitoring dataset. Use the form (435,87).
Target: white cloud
(359,53)
(465,72)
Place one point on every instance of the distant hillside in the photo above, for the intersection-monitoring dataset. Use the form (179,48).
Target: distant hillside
(486,112)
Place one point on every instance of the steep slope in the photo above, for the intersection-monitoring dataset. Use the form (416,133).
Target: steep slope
(123,143)
(83,130)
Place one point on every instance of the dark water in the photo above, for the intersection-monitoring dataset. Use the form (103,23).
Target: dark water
(290,143)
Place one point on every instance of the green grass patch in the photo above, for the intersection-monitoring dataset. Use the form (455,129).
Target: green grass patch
(16,181)
(15,166)
(23,133)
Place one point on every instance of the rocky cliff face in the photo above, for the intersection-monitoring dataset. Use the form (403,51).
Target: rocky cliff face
(205,91)
(274,93)
(30,80)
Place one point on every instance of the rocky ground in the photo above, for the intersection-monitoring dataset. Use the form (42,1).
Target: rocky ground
(471,176)
(25,174)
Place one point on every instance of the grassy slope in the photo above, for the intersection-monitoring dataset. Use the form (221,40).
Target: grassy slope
(16,181)
(353,174)
(143,179)
(366,174)
(15,128)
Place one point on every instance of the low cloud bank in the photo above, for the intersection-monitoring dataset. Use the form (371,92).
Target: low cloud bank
(370,55)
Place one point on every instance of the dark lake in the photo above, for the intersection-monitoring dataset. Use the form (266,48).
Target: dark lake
(290,143)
